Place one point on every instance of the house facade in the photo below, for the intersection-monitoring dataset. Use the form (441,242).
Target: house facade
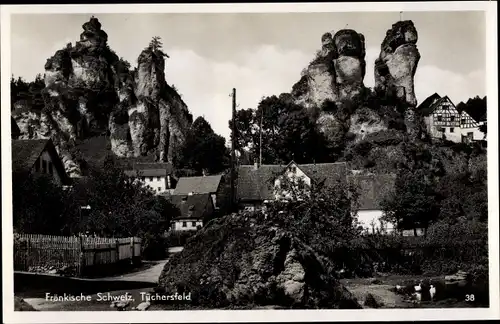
(257,185)
(194,209)
(158,176)
(211,185)
(443,120)
(372,190)
(38,157)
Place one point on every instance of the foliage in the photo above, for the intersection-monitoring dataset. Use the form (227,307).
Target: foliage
(288,132)
(178,238)
(31,92)
(323,216)
(413,203)
(203,150)
(39,205)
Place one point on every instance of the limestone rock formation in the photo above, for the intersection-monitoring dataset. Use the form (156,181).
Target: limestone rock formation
(337,72)
(349,62)
(397,63)
(156,119)
(245,264)
(89,91)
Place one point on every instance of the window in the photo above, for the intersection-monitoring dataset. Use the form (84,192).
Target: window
(193,224)
(293,169)
(51,171)
(157,178)
(441,129)
(452,118)
(159,189)
(150,178)
(462,121)
(452,130)
(184,224)
(470,135)
(44,166)
(301,185)
(440,118)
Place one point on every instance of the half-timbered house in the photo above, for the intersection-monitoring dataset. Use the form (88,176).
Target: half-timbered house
(444,120)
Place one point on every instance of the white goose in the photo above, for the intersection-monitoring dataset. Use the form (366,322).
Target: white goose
(418,288)
(432,291)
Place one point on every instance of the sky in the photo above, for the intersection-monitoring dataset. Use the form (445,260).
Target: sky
(261,54)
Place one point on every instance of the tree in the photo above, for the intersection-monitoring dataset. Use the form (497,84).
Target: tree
(38,204)
(288,132)
(413,203)
(203,150)
(156,46)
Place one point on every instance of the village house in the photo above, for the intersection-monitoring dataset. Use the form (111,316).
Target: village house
(372,188)
(444,120)
(211,185)
(38,157)
(256,185)
(158,176)
(194,209)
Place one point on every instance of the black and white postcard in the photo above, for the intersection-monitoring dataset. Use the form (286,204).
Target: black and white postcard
(250,162)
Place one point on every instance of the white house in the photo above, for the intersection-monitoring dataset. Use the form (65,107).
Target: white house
(444,120)
(193,208)
(372,190)
(38,157)
(257,184)
(158,176)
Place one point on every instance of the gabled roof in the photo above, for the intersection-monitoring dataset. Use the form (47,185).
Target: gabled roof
(26,152)
(192,206)
(372,188)
(425,107)
(427,111)
(198,185)
(256,183)
(478,114)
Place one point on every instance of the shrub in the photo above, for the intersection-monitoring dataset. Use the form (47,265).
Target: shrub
(155,247)
(178,238)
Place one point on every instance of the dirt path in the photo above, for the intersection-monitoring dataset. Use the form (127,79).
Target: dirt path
(101,301)
(148,275)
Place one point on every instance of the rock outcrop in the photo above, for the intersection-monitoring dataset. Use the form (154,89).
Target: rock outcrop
(89,91)
(233,262)
(337,72)
(395,70)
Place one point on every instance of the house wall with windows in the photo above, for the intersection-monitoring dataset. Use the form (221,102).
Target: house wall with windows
(294,175)
(443,120)
(45,164)
(159,184)
(186,224)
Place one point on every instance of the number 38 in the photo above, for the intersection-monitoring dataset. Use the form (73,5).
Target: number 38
(469,297)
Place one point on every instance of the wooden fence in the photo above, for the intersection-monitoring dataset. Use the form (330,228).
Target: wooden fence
(48,253)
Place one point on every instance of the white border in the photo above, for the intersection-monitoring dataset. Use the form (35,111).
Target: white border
(261,315)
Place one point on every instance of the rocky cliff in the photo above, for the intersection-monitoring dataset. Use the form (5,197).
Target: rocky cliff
(89,91)
(332,86)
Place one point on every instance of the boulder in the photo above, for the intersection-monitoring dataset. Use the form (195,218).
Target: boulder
(230,263)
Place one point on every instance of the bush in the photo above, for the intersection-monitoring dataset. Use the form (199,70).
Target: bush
(178,238)
(155,247)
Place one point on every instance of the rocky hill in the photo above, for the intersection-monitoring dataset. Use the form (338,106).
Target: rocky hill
(91,92)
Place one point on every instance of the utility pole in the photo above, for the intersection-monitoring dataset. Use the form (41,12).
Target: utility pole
(260,142)
(233,145)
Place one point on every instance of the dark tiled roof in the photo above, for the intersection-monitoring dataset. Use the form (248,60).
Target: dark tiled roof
(192,206)
(150,170)
(26,152)
(478,113)
(14,128)
(372,188)
(198,185)
(427,106)
(256,184)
